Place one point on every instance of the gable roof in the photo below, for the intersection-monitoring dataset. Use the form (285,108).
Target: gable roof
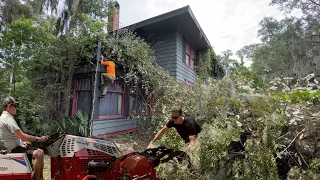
(184,19)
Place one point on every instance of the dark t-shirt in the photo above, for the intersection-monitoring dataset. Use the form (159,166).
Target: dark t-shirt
(189,127)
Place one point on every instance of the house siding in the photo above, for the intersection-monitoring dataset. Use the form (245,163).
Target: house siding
(107,126)
(164,45)
(184,72)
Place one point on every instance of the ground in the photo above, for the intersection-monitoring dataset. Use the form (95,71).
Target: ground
(126,143)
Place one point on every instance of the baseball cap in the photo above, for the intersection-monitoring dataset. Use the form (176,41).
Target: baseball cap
(9,100)
(176,111)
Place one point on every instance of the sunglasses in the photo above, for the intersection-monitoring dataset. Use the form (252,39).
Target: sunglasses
(14,105)
(175,117)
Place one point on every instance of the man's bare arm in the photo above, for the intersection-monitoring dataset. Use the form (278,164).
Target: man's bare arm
(24,137)
(158,135)
(191,144)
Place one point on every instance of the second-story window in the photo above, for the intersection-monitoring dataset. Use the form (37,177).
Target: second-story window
(190,55)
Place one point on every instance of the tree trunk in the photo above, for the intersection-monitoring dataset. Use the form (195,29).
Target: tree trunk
(60,91)
(295,71)
(58,100)
(74,6)
(11,81)
(69,87)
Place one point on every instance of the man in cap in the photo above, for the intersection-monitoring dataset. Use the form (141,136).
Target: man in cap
(12,136)
(187,128)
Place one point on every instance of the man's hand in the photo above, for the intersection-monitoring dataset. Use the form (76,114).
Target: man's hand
(43,139)
(158,135)
(26,143)
(150,145)
(191,145)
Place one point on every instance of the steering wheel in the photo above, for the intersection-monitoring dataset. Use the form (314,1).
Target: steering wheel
(54,137)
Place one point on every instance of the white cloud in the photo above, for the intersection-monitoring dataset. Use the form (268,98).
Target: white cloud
(228,24)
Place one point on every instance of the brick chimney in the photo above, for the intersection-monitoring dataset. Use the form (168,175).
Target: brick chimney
(113,18)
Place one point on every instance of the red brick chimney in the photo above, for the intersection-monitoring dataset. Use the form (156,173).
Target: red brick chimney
(113,18)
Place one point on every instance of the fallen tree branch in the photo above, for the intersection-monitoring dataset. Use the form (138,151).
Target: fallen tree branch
(290,143)
(283,135)
(313,35)
(293,140)
(303,159)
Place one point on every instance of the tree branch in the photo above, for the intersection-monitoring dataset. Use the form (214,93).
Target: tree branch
(283,135)
(313,35)
(312,1)
(293,140)
(303,159)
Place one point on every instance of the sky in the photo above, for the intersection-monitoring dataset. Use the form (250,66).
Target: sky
(228,24)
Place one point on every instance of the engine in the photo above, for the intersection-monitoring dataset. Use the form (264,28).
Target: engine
(75,157)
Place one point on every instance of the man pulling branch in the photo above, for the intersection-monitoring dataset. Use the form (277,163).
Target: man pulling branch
(187,128)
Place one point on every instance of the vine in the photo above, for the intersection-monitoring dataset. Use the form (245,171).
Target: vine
(209,65)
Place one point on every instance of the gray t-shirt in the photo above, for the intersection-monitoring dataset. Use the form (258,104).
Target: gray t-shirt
(7,127)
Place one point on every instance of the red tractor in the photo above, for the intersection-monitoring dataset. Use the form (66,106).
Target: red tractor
(81,158)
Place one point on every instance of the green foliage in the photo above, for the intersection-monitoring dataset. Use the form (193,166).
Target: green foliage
(297,96)
(244,73)
(289,46)
(247,52)
(209,65)
(229,112)
(36,54)
(296,173)
(229,64)
(303,96)
(214,146)
(204,65)
(308,7)
(257,164)
(76,125)
(12,10)
(29,114)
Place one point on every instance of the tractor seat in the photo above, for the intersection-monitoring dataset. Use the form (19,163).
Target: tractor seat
(3,149)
